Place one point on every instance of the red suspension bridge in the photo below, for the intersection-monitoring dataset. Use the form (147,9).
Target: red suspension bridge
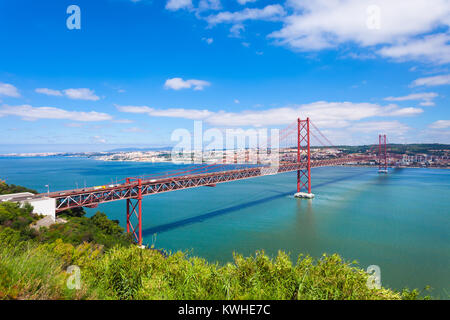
(296,138)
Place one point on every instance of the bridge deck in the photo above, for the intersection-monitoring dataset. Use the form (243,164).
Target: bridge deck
(91,197)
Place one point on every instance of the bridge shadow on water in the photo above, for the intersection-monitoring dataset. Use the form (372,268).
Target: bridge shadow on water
(215,213)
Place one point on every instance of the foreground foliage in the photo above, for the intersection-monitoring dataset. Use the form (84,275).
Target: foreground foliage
(34,264)
(38,271)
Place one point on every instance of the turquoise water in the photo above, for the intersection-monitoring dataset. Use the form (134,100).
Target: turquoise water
(398,221)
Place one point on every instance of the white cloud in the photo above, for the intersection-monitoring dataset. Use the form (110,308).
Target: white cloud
(366,133)
(178,4)
(427,103)
(133,130)
(270,12)
(236,29)
(325,114)
(179,83)
(134,109)
(243,2)
(74,125)
(432,81)
(122,121)
(192,114)
(339,121)
(27,112)
(403,112)
(433,48)
(426,98)
(391,127)
(203,5)
(321,24)
(98,139)
(49,92)
(81,94)
(208,40)
(209,5)
(440,124)
(398,29)
(8,90)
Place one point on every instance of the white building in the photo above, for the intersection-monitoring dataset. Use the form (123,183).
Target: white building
(41,205)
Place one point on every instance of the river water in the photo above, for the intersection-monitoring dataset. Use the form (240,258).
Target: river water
(399,221)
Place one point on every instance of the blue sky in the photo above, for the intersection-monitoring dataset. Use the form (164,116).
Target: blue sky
(137,70)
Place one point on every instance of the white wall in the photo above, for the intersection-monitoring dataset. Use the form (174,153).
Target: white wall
(45,207)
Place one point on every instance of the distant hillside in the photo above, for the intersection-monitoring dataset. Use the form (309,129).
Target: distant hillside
(431,149)
(131,149)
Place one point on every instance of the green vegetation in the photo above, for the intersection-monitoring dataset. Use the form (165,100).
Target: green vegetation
(96,229)
(33,265)
(11,188)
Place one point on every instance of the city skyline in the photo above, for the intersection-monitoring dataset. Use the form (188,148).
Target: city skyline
(137,70)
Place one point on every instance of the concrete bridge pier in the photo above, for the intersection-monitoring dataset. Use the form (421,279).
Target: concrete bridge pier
(304,195)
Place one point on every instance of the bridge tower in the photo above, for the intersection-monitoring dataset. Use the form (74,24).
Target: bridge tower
(382,154)
(303,159)
(134,213)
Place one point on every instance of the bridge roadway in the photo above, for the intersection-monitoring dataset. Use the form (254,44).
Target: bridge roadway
(91,197)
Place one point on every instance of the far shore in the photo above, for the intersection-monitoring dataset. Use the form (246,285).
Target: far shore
(342,165)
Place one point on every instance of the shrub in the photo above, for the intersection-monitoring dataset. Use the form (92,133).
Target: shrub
(119,273)
(12,188)
(98,229)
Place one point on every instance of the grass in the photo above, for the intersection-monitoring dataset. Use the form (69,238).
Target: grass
(27,271)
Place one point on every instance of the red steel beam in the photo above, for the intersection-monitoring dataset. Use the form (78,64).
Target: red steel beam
(131,190)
